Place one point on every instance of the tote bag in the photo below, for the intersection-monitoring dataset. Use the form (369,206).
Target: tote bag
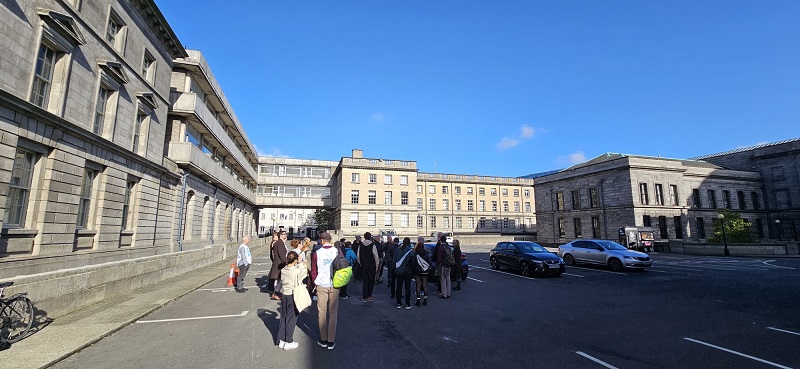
(302,300)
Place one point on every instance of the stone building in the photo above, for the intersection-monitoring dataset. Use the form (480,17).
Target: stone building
(779,166)
(678,198)
(84,94)
(207,142)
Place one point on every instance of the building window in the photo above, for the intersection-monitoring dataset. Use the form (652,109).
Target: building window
(527,193)
(759,228)
(560,200)
(516,206)
(387,179)
(419,204)
(593,199)
(561,228)
(470,205)
(19,188)
(419,188)
(701,228)
(457,189)
(432,222)
(754,198)
(505,192)
(696,198)
(516,192)
(370,219)
(777,174)
(782,199)
(85,197)
(646,221)
(494,205)
(662,226)
(387,198)
(404,219)
(43,76)
(712,199)
(126,206)
(420,222)
(527,206)
(726,199)
(372,197)
(595,227)
(137,133)
(354,196)
(444,189)
(446,222)
(578,231)
(373,178)
(445,204)
(481,191)
(469,190)
(458,205)
(576,200)
(354,177)
(103,96)
(403,198)
(459,223)
(740,199)
(505,206)
(643,195)
(354,219)
(432,189)
(115,31)
(432,204)
(678,227)
(493,191)
(659,194)
(148,66)
(404,180)
(673,195)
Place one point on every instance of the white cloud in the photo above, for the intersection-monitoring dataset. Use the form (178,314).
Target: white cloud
(273,152)
(377,117)
(527,131)
(507,143)
(571,159)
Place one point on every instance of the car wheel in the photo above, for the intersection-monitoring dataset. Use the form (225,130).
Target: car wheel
(558,274)
(569,260)
(494,264)
(615,265)
(525,269)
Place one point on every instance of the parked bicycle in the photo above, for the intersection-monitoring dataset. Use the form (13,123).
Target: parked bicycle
(16,315)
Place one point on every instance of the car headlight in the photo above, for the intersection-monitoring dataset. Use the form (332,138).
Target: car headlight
(629,257)
(538,262)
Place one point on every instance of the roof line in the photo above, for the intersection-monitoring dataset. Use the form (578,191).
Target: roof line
(743,149)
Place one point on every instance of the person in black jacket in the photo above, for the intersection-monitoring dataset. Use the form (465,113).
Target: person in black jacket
(421,275)
(368,259)
(388,260)
(381,247)
(456,271)
(357,265)
(434,256)
(402,274)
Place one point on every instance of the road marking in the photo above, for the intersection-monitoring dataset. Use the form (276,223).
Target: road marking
(574,275)
(222,289)
(601,362)
(477,280)
(776,266)
(503,273)
(737,353)
(660,265)
(484,260)
(598,270)
(784,331)
(194,318)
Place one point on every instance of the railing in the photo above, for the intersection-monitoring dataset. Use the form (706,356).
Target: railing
(189,154)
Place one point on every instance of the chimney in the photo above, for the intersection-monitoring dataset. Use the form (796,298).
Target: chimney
(358,154)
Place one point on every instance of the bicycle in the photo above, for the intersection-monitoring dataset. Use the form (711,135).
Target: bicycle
(16,315)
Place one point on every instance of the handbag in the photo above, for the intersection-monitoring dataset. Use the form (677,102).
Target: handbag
(302,300)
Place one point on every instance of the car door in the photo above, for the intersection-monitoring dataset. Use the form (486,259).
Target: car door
(514,256)
(595,253)
(579,251)
(503,255)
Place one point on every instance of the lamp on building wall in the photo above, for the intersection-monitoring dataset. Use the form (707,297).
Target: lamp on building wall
(721,218)
(778,226)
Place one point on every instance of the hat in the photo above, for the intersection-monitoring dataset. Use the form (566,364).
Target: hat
(420,239)
(325,236)
(443,239)
(358,238)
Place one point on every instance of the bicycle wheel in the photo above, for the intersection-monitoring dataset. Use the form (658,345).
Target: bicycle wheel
(19,314)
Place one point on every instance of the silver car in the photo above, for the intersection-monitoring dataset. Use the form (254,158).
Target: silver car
(603,252)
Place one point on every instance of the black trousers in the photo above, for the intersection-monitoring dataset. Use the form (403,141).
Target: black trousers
(288,319)
(403,282)
(368,282)
(392,279)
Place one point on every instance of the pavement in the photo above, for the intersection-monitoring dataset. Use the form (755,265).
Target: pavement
(71,333)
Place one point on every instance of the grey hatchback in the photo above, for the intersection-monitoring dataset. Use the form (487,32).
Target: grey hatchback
(603,252)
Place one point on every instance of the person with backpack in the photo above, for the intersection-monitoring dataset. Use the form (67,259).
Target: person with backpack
(322,272)
(434,257)
(388,260)
(403,272)
(368,259)
(381,248)
(422,266)
(445,262)
(351,258)
(457,275)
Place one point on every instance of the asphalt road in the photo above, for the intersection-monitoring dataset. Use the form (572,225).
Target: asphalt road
(686,312)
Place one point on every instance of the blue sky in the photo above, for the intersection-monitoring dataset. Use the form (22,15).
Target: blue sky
(502,88)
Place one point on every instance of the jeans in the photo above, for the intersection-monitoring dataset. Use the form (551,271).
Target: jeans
(242,274)
(444,279)
(328,307)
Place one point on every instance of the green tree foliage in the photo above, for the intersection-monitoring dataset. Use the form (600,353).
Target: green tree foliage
(736,229)
(324,219)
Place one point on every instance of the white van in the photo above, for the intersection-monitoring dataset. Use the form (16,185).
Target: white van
(448,234)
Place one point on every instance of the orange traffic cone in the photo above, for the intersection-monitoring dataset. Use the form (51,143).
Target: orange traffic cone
(231,276)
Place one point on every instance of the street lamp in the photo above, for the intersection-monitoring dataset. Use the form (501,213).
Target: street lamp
(272,230)
(778,226)
(721,218)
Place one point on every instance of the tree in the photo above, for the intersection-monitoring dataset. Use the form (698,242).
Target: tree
(323,218)
(736,229)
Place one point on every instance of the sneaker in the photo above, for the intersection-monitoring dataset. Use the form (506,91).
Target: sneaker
(290,346)
(364,300)
(345,297)
(417,303)
(281,344)
(371,299)
(425,302)
(408,306)
(399,306)
(331,345)
(322,343)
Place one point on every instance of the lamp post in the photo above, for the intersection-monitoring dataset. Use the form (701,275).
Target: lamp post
(272,230)
(721,218)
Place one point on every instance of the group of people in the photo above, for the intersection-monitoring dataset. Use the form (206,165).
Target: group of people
(303,264)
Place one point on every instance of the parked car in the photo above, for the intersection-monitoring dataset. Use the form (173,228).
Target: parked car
(528,257)
(603,252)
(464,263)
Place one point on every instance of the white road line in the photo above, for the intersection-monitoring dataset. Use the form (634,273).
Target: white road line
(574,275)
(601,362)
(477,280)
(784,331)
(503,273)
(195,318)
(671,267)
(737,353)
(776,266)
(598,270)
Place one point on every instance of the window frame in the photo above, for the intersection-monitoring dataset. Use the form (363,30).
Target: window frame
(24,193)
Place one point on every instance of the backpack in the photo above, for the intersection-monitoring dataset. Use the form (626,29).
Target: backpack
(449,259)
(341,271)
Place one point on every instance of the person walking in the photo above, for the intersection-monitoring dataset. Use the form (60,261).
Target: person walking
(444,269)
(351,258)
(291,276)
(457,274)
(368,259)
(278,262)
(327,295)
(421,275)
(388,260)
(243,260)
(402,273)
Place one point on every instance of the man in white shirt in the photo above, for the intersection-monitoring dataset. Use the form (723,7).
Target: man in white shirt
(327,295)
(243,260)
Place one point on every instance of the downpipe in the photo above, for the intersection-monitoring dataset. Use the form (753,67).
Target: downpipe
(180,214)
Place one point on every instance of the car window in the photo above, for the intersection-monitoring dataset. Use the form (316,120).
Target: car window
(580,244)
(611,245)
(530,247)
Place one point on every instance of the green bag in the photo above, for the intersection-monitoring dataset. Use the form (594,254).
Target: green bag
(342,277)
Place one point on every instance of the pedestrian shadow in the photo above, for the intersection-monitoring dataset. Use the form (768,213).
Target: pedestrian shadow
(271,322)
(263,284)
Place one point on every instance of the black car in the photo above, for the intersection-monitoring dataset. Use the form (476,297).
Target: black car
(527,257)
